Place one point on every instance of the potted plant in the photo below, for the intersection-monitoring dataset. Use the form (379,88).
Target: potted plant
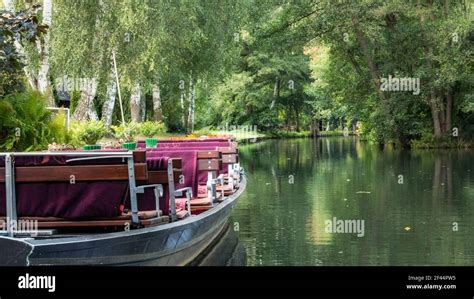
(125,133)
(150,129)
(90,132)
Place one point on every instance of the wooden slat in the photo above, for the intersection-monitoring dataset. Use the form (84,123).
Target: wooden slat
(30,174)
(208,154)
(228,150)
(161,176)
(209,164)
(230,158)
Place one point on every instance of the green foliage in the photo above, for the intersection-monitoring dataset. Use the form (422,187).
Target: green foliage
(272,64)
(89,132)
(357,43)
(26,124)
(126,132)
(152,128)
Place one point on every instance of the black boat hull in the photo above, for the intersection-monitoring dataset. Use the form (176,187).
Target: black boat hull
(172,244)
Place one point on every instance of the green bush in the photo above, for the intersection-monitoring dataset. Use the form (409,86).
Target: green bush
(126,132)
(89,132)
(152,128)
(26,124)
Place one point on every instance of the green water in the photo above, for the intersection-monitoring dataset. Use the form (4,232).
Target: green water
(417,207)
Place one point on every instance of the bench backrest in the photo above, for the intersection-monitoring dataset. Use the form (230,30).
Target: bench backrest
(196,164)
(72,188)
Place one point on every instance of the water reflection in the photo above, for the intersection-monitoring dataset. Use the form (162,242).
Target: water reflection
(411,203)
(227,251)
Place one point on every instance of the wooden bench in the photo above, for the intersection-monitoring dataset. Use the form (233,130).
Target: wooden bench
(157,179)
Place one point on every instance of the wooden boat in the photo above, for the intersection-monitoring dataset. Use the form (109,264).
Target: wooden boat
(178,242)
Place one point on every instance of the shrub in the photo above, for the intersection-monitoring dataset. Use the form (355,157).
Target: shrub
(152,128)
(89,132)
(126,132)
(26,124)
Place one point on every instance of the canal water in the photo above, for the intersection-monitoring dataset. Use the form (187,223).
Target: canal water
(411,208)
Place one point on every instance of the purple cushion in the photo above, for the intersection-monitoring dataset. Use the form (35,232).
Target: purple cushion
(82,200)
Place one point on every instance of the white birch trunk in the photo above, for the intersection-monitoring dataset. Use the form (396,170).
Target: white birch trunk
(190,105)
(135,103)
(85,109)
(142,107)
(109,104)
(183,108)
(43,82)
(157,112)
(8,4)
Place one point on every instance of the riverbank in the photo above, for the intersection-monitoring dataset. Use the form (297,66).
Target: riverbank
(248,137)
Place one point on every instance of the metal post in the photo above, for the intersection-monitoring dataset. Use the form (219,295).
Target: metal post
(230,175)
(158,193)
(237,171)
(188,203)
(133,191)
(10,195)
(171,191)
(211,186)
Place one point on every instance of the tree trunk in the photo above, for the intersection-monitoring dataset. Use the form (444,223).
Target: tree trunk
(85,109)
(276,92)
(435,116)
(32,80)
(432,101)
(157,112)
(191,108)
(297,118)
(8,4)
(43,82)
(135,103)
(185,110)
(142,107)
(449,111)
(442,116)
(108,107)
(314,128)
(446,8)
(363,43)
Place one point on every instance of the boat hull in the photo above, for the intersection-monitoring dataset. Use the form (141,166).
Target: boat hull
(172,244)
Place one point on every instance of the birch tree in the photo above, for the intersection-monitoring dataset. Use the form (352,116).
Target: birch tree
(43,72)
(157,111)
